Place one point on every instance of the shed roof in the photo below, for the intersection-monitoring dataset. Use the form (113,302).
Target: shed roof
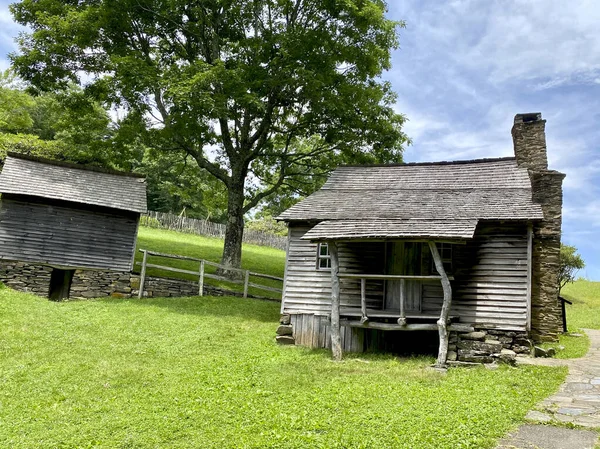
(446,192)
(24,175)
(382,229)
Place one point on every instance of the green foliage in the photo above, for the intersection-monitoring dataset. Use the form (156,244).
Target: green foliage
(268,225)
(14,106)
(266,96)
(205,372)
(570,263)
(176,184)
(31,145)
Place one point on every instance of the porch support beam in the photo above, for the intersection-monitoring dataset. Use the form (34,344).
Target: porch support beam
(402,319)
(443,321)
(529,272)
(363,301)
(336,339)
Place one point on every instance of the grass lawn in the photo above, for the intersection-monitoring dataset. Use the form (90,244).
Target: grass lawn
(260,259)
(585,311)
(583,314)
(205,372)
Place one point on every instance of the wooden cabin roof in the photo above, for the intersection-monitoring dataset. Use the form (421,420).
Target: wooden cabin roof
(23,175)
(452,193)
(382,229)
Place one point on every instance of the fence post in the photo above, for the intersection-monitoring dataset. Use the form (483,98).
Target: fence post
(143,274)
(201,279)
(246,281)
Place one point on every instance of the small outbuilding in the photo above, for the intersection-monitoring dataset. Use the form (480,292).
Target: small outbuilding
(69,217)
(469,247)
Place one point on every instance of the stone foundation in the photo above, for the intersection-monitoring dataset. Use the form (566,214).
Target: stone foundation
(88,284)
(488,346)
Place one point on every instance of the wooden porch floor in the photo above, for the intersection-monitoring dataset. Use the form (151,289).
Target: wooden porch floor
(387,314)
(387,320)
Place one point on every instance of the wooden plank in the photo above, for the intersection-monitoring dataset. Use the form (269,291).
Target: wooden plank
(529,272)
(246,282)
(176,270)
(171,256)
(336,343)
(388,326)
(264,287)
(265,276)
(363,300)
(222,278)
(390,277)
(143,275)
(201,279)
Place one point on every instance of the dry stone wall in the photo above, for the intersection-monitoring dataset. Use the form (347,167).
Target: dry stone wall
(97,284)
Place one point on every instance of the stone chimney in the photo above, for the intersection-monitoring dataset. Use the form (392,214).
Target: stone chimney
(529,140)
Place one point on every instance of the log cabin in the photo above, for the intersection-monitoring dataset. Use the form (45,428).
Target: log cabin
(467,248)
(69,217)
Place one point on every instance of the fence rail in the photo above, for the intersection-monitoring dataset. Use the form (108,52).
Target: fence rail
(204,227)
(202,275)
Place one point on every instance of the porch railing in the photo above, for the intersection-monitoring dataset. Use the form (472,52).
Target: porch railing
(386,277)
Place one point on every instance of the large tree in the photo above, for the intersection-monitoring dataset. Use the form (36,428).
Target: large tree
(260,93)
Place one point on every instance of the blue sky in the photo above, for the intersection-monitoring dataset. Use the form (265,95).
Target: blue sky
(465,68)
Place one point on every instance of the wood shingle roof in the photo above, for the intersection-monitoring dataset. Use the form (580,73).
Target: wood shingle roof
(430,195)
(23,175)
(382,229)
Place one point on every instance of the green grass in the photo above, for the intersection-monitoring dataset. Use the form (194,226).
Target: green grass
(260,259)
(205,372)
(585,311)
(570,346)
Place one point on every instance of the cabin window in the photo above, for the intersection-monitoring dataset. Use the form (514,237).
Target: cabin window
(445,250)
(323,257)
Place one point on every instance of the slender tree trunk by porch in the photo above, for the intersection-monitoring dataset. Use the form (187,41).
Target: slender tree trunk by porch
(336,339)
(234,231)
(443,321)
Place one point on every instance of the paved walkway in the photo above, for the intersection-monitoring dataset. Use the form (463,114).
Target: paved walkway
(576,402)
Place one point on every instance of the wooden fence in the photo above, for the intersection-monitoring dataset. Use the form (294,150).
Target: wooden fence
(203,227)
(202,274)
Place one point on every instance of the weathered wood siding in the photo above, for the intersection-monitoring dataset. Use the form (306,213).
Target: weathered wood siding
(308,290)
(492,291)
(58,235)
(490,286)
(314,331)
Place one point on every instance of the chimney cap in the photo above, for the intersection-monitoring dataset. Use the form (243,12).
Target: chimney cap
(528,117)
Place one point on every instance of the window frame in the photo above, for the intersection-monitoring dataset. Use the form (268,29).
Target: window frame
(448,262)
(323,257)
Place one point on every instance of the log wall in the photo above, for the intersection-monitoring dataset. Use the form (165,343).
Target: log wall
(56,234)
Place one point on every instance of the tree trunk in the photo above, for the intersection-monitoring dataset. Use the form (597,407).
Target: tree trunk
(234,231)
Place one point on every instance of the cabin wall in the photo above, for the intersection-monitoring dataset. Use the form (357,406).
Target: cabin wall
(56,234)
(489,290)
(308,289)
(490,279)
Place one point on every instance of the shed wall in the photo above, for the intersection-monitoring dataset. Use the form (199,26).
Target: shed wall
(63,236)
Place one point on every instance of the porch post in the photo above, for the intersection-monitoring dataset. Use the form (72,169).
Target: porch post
(443,321)
(336,340)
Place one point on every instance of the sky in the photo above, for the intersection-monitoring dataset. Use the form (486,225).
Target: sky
(466,67)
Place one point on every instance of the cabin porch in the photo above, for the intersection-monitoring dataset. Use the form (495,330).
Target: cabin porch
(401,306)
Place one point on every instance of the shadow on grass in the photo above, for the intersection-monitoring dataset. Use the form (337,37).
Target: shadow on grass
(219,306)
